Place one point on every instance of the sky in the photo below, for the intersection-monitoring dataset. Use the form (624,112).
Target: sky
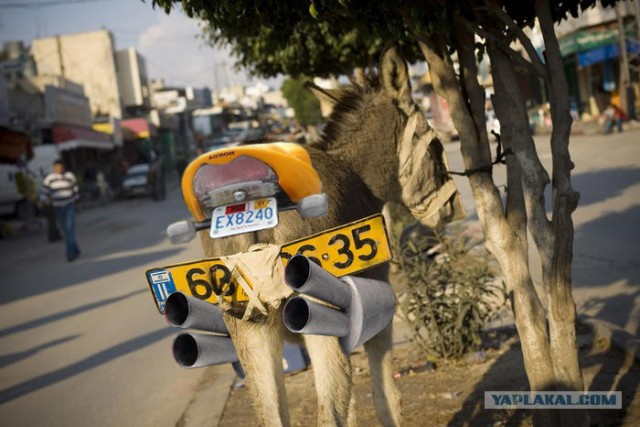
(168,42)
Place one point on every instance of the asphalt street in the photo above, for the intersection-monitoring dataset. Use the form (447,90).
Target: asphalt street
(606,261)
(81,344)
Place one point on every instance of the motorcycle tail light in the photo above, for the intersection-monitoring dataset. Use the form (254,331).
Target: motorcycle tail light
(217,185)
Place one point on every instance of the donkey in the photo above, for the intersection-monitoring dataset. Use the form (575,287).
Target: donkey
(376,148)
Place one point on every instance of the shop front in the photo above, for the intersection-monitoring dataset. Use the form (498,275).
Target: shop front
(592,65)
(87,153)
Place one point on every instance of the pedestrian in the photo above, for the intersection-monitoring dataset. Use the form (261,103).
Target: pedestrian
(631,101)
(613,115)
(61,188)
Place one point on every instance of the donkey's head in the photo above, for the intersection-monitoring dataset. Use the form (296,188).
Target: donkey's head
(380,132)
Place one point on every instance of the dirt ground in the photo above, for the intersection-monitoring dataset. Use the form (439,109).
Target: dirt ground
(451,394)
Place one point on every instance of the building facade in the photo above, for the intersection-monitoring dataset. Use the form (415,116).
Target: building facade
(133,82)
(595,61)
(87,59)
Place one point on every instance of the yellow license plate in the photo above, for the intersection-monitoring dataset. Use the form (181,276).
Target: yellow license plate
(341,251)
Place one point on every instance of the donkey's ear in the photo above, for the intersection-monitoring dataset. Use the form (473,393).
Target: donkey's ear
(395,76)
(329,97)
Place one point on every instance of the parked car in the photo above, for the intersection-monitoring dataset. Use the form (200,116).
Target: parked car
(144,180)
(136,181)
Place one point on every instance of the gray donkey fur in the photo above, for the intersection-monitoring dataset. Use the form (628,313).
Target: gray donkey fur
(357,161)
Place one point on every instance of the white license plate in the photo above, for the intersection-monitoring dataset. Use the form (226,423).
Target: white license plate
(244,217)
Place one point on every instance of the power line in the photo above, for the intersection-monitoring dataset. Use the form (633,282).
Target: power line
(50,3)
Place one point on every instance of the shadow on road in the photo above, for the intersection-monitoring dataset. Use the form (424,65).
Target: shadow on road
(9,359)
(604,370)
(606,249)
(62,275)
(472,411)
(595,187)
(68,313)
(616,309)
(77,368)
(615,373)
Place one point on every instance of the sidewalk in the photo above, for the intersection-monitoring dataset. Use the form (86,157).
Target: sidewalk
(27,239)
(593,127)
(209,402)
(12,228)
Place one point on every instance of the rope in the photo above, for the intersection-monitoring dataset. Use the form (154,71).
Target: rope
(501,156)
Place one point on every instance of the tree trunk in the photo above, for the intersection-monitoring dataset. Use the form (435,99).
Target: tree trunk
(551,358)
(503,241)
(510,109)
(562,309)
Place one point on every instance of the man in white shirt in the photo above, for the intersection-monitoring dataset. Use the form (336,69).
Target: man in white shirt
(61,188)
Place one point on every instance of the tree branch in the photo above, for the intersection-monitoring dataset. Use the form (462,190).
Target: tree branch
(522,37)
(474,154)
(469,80)
(536,69)
(534,175)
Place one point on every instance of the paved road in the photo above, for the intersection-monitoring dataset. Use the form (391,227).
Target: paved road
(606,267)
(81,344)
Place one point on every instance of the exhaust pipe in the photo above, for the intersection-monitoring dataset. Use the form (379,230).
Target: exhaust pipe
(189,312)
(309,278)
(307,317)
(198,350)
(371,310)
(366,306)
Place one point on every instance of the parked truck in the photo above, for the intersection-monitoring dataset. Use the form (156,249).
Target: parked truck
(12,187)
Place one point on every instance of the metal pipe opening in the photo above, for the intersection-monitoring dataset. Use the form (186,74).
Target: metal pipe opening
(176,309)
(297,272)
(296,314)
(185,350)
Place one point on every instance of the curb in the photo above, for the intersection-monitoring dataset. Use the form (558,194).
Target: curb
(206,408)
(208,405)
(614,335)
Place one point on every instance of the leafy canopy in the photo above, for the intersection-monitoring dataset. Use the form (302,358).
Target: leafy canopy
(303,102)
(331,37)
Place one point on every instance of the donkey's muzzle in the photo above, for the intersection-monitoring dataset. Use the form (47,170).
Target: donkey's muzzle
(427,189)
(442,206)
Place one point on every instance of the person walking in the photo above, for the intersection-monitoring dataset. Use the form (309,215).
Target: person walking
(61,188)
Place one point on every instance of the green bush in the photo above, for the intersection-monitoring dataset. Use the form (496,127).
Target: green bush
(450,291)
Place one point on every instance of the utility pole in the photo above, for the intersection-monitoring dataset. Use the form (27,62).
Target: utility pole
(61,60)
(634,61)
(624,58)
(637,2)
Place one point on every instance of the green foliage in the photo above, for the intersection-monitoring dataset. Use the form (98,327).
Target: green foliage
(449,297)
(331,37)
(304,103)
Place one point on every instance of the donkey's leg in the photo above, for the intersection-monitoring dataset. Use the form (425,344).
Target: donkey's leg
(386,395)
(259,347)
(332,374)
